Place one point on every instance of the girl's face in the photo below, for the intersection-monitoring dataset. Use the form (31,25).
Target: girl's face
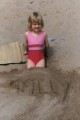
(36,27)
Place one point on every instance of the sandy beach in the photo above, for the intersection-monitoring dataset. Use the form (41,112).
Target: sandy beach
(50,93)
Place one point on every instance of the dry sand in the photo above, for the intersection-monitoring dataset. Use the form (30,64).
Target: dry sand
(39,94)
(51,93)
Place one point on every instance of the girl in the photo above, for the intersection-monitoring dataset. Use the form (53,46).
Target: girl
(35,41)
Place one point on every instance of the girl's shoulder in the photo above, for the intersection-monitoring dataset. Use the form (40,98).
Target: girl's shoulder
(44,32)
(26,33)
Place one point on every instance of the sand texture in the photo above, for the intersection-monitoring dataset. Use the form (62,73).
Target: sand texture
(51,93)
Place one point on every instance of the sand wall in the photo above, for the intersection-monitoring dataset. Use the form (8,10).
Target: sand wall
(62,21)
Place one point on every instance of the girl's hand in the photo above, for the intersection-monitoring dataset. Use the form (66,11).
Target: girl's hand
(25,52)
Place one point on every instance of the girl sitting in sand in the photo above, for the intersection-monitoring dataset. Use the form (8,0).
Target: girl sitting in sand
(36,41)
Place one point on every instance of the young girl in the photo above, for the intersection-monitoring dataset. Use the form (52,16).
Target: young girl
(36,41)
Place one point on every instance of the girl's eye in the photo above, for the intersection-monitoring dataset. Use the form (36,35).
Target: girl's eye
(39,23)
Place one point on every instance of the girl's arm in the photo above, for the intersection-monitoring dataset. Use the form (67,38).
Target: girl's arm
(26,44)
(46,45)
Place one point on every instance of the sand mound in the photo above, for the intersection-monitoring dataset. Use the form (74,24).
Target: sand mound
(36,81)
(39,94)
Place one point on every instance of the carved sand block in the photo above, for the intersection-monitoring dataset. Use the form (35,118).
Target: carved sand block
(12,53)
(39,81)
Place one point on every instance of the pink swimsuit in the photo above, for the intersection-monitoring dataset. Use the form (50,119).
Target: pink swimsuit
(36,47)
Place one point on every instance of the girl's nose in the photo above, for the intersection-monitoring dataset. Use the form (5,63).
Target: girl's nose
(37,25)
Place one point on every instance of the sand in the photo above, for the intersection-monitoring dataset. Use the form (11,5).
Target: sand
(51,93)
(39,94)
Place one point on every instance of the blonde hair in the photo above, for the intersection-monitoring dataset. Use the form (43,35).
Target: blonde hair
(35,18)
